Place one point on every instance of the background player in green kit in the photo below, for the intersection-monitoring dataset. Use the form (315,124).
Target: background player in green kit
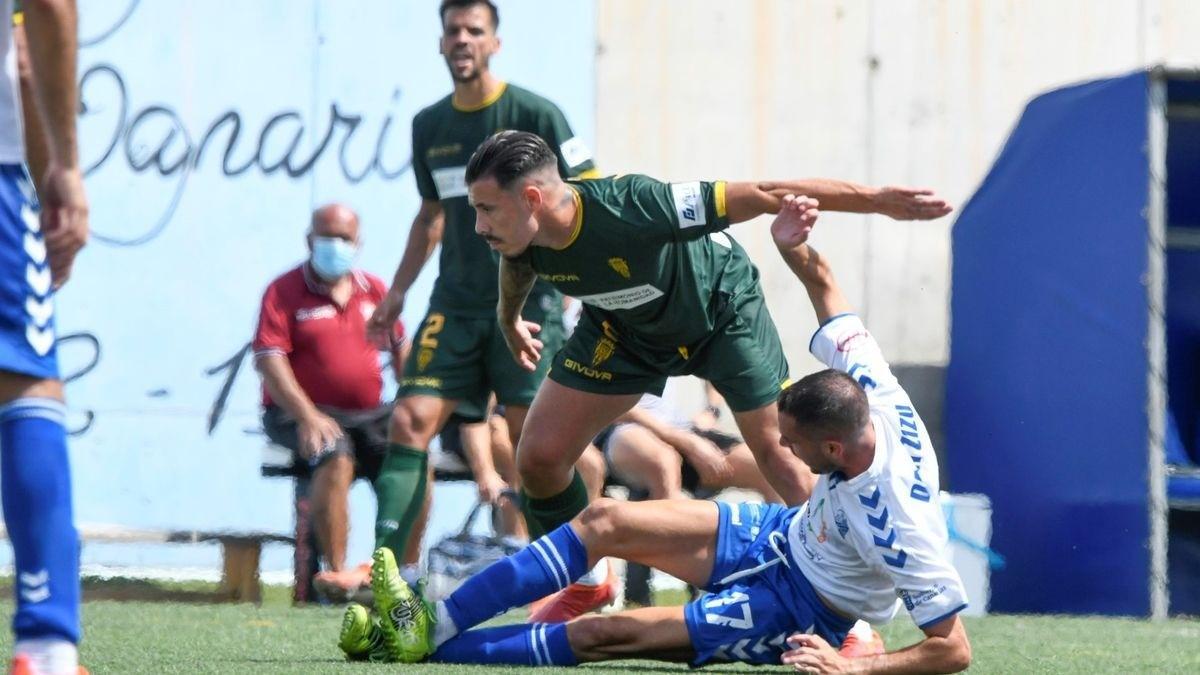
(665,291)
(458,352)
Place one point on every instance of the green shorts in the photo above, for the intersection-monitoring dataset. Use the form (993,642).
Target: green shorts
(742,358)
(465,358)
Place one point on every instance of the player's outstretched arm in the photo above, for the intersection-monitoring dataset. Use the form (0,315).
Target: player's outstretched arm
(423,237)
(945,649)
(750,200)
(516,280)
(790,230)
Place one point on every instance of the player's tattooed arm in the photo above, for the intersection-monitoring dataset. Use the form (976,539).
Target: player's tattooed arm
(516,281)
(750,200)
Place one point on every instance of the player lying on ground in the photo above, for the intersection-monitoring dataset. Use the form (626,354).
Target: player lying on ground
(783,584)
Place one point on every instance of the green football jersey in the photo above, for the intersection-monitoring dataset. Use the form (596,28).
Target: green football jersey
(444,136)
(651,258)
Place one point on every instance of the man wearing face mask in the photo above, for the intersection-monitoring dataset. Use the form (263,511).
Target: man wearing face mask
(322,380)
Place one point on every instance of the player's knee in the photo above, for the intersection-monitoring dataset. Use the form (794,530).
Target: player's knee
(536,462)
(408,426)
(600,522)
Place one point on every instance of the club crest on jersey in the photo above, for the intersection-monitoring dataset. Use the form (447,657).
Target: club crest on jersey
(619,266)
(843,525)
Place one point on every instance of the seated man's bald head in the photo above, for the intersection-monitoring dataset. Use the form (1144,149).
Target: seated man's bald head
(335,220)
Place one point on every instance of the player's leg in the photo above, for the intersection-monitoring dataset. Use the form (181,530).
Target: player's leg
(745,363)
(504,458)
(678,537)
(641,459)
(443,367)
(35,477)
(648,633)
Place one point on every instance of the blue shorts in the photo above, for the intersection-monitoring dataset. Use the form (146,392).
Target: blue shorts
(26,300)
(755,599)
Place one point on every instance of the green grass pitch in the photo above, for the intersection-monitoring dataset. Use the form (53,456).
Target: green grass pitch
(190,637)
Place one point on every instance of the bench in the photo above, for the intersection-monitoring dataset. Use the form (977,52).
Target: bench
(240,552)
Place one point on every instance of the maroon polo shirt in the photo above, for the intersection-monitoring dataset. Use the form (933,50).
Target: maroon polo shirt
(325,344)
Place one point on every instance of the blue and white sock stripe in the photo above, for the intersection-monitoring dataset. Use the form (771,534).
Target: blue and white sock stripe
(556,565)
(23,408)
(539,646)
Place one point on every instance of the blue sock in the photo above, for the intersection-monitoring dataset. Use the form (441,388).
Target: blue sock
(36,484)
(547,565)
(523,644)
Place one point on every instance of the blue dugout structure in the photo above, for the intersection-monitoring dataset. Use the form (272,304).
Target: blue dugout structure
(1073,389)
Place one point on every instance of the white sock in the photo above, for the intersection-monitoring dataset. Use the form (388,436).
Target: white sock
(445,628)
(596,575)
(49,655)
(411,574)
(861,630)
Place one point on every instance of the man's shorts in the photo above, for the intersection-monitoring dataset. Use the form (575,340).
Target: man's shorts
(364,439)
(755,599)
(742,357)
(463,358)
(26,301)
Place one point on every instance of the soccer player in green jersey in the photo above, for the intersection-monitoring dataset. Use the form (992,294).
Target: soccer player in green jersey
(458,352)
(666,292)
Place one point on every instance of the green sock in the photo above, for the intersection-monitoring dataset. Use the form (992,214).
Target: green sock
(400,491)
(544,515)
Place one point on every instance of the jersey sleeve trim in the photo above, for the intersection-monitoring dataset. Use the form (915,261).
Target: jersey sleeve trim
(822,327)
(577,225)
(589,174)
(719,197)
(943,617)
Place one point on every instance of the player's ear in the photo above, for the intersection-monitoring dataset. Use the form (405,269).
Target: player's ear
(533,196)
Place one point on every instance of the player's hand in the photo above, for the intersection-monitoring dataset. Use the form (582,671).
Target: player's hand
(525,348)
(490,486)
(707,459)
(812,654)
(317,435)
(382,323)
(64,219)
(797,216)
(905,203)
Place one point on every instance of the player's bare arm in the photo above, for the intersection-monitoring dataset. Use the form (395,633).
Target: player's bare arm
(516,281)
(945,649)
(51,27)
(749,200)
(423,237)
(790,231)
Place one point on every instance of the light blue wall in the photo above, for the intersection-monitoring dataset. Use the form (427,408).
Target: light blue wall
(180,296)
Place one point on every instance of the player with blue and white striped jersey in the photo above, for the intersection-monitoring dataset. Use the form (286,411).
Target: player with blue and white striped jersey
(783,584)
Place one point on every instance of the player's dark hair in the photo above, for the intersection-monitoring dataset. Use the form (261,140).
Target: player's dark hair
(827,403)
(508,156)
(448,5)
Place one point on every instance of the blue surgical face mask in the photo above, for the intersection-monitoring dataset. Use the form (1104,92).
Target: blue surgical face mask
(332,257)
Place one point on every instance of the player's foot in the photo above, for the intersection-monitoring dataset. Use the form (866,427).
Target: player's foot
(406,621)
(342,586)
(22,664)
(862,640)
(361,638)
(575,600)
